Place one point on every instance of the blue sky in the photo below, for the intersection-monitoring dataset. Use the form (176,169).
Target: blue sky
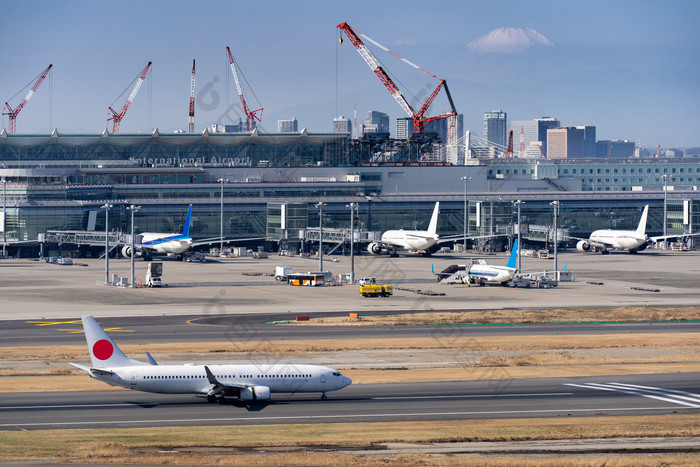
(630,67)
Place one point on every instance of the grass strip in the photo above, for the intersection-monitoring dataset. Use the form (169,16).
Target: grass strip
(327,443)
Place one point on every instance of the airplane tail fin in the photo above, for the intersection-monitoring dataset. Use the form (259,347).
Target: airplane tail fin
(642,227)
(567,263)
(513,260)
(104,353)
(432,227)
(186,230)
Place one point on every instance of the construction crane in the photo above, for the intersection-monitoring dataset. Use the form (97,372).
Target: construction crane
(509,148)
(12,113)
(658,150)
(191,118)
(419,119)
(117,116)
(251,115)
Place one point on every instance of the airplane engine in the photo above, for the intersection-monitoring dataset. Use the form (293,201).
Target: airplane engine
(583,246)
(255,393)
(126,251)
(642,247)
(374,248)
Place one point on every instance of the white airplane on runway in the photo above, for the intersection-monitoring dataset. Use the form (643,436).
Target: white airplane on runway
(163,243)
(632,240)
(243,382)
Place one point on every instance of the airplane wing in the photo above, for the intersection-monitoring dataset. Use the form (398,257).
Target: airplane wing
(452,238)
(219,387)
(595,244)
(667,237)
(212,241)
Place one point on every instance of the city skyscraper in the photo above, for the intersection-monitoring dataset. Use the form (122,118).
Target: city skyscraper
(565,143)
(342,125)
(544,124)
(404,127)
(376,122)
(288,126)
(495,126)
(588,140)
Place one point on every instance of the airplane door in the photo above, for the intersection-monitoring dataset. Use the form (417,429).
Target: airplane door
(133,378)
(323,376)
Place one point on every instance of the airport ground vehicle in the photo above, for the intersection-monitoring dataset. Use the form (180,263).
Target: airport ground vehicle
(367,281)
(376,290)
(154,274)
(311,279)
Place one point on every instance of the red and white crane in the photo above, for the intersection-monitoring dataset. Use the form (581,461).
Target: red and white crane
(419,118)
(191,118)
(117,116)
(12,113)
(251,115)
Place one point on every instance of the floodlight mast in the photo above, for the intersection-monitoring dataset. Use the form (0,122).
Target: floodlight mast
(12,113)
(117,116)
(251,115)
(419,119)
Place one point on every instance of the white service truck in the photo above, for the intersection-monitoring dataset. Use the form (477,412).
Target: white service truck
(154,274)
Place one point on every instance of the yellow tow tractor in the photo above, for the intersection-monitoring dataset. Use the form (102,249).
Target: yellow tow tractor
(376,290)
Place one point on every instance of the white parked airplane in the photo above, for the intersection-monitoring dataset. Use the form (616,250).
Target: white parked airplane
(480,272)
(605,239)
(243,382)
(412,240)
(163,243)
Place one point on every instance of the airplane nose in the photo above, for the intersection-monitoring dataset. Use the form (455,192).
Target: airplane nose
(346,381)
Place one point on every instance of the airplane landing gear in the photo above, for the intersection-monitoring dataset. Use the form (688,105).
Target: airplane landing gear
(324,396)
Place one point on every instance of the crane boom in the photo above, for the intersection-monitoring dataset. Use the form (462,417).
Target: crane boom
(419,119)
(12,113)
(191,117)
(117,116)
(251,115)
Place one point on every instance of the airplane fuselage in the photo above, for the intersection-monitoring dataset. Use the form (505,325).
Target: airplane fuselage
(618,239)
(189,379)
(165,243)
(490,273)
(409,239)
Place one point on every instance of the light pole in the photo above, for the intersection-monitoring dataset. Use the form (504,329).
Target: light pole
(466,212)
(221,217)
(4,215)
(319,205)
(352,241)
(555,204)
(133,210)
(107,207)
(665,177)
(517,268)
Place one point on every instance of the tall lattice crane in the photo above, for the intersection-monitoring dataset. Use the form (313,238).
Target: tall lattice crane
(191,118)
(12,113)
(419,118)
(117,116)
(251,115)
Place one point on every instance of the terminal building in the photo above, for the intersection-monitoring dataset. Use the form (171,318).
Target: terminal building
(268,185)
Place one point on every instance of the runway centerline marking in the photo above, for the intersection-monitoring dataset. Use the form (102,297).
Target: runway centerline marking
(328,417)
(75,406)
(472,396)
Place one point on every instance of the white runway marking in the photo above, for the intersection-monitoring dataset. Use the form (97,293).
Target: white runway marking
(687,399)
(302,418)
(73,406)
(459,396)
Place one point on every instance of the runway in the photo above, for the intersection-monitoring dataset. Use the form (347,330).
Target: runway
(236,328)
(468,400)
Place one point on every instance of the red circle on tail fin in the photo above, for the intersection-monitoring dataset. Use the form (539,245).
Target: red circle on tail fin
(102,349)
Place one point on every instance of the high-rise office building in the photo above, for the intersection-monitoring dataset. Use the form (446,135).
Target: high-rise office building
(495,126)
(342,125)
(376,123)
(588,141)
(404,127)
(544,124)
(288,126)
(565,143)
